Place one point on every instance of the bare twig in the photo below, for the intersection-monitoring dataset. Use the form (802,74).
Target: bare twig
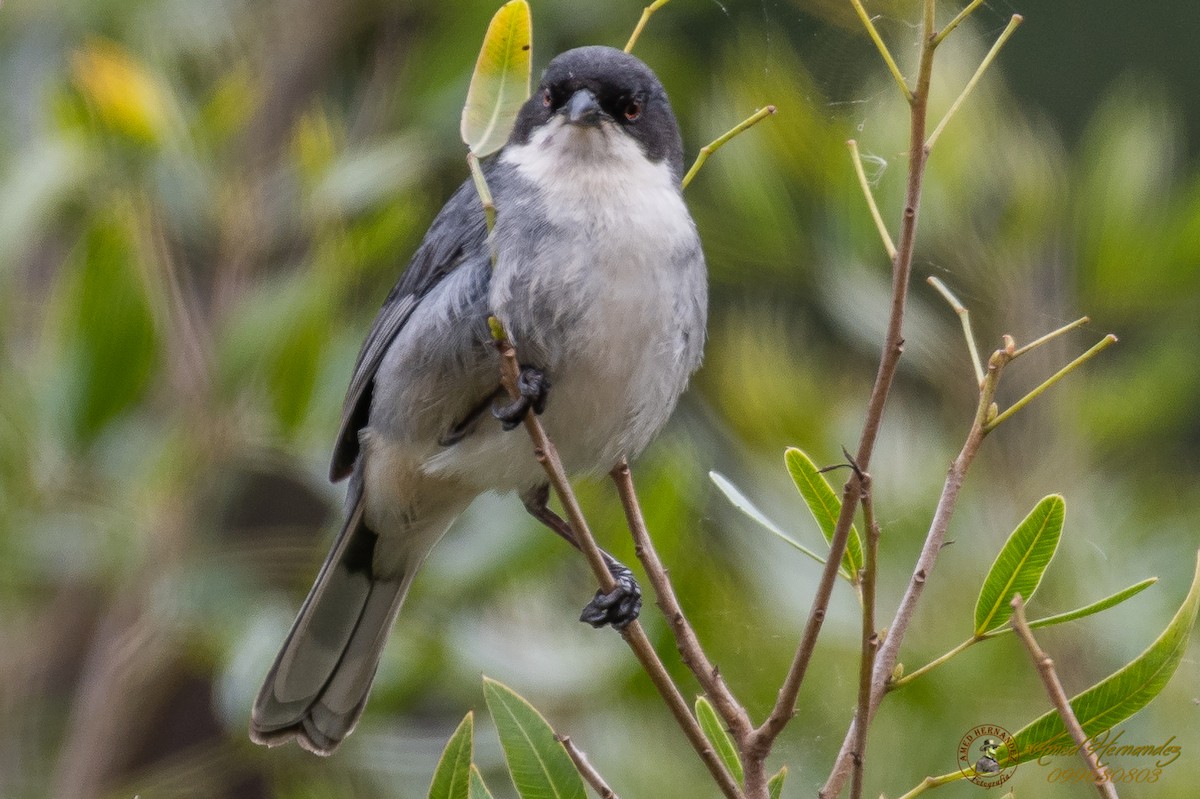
(893,346)
(633,634)
(987,61)
(586,769)
(1045,668)
(1102,345)
(692,653)
(885,660)
(865,185)
(954,23)
(964,316)
(723,139)
(1053,334)
(870,636)
(647,12)
(883,50)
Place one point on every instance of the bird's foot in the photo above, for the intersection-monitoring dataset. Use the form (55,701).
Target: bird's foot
(534,388)
(618,607)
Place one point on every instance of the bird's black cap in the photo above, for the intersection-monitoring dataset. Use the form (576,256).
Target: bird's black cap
(627,91)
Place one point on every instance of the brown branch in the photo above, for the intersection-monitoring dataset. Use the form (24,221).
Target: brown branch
(586,769)
(893,347)
(885,660)
(690,649)
(1045,668)
(870,636)
(633,634)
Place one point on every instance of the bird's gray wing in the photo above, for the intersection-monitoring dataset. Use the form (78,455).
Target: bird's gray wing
(458,232)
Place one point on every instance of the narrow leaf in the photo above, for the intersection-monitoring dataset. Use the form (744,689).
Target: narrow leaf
(1087,610)
(1118,696)
(539,765)
(718,736)
(452,775)
(1019,567)
(478,789)
(743,503)
(824,505)
(500,83)
(775,784)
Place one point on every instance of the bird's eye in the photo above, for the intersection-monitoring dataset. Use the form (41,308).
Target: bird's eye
(546,98)
(633,110)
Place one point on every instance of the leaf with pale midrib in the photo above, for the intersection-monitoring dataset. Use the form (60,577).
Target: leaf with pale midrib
(539,765)
(1022,561)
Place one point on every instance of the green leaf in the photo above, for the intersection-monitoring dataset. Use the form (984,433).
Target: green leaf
(742,503)
(478,789)
(539,765)
(1086,610)
(775,784)
(113,333)
(824,506)
(718,736)
(500,84)
(1019,566)
(452,776)
(1118,696)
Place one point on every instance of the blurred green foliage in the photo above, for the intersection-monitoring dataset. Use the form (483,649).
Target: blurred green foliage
(203,204)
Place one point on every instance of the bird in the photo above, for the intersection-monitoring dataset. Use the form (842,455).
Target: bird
(594,268)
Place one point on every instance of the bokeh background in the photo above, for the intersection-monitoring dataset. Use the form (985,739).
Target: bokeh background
(203,204)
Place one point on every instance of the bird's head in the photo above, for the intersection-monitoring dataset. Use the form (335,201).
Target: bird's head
(593,101)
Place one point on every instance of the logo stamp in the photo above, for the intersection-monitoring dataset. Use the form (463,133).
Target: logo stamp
(981,753)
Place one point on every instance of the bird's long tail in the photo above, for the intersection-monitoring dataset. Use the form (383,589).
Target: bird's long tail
(318,685)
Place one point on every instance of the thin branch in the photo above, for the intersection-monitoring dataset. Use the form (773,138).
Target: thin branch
(885,660)
(883,50)
(586,769)
(723,139)
(931,665)
(1053,334)
(964,316)
(647,12)
(987,61)
(865,185)
(485,194)
(1054,688)
(690,649)
(931,782)
(1103,344)
(870,637)
(893,347)
(954,23)
(633,634)
(547,456)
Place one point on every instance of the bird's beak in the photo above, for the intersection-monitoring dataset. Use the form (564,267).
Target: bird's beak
(582,109)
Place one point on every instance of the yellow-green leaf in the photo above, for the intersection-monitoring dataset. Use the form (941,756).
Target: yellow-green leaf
(500,84)
(124,93)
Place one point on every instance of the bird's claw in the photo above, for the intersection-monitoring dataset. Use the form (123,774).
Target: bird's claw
(534,388)
(620,606)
